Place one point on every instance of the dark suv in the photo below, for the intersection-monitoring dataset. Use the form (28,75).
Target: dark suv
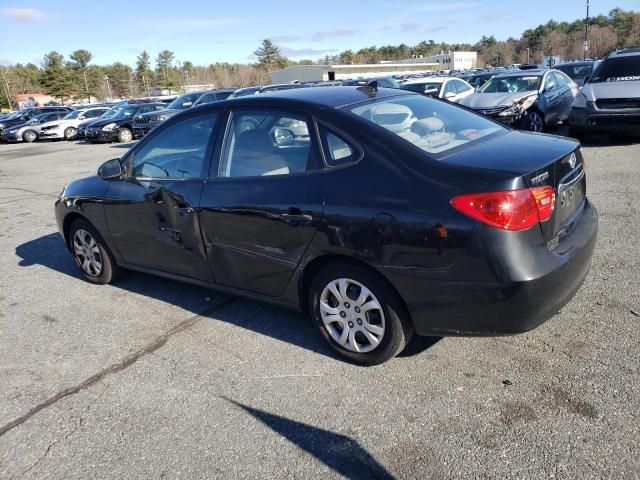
(26,114)
(609,101)
(119,127)
(144,123)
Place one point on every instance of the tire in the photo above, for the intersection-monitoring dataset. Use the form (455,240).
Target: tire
(533,121)
(70,133)
(29,136)
(99,266)
(389,325)
(125,135)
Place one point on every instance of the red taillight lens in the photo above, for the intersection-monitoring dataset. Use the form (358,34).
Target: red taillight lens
(512,210)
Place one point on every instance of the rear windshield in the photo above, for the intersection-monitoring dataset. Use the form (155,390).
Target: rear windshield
(621,69)
(576,72)
(432,125)
(428,88)
(525,83)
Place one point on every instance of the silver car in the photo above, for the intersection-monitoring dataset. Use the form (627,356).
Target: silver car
(30,130)
(531,100)
(609,101)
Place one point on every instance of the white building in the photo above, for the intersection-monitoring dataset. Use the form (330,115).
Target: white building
(312,73)
(449,61)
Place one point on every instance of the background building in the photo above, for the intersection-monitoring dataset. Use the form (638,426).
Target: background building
(311,73)
(448,61)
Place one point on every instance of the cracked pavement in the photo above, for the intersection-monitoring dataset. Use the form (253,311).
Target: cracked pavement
(151,378)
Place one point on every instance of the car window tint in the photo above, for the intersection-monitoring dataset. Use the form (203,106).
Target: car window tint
(433,126)
(450,87)
(460,86)
(207,98)
(550,82)
(263,143)
(178,151)
(561,80)
(337,150)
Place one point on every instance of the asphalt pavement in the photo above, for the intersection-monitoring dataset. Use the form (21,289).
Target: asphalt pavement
(151,378)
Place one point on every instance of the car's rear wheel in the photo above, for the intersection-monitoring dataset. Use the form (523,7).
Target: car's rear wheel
(359,314)
(30,136)
(125,135)
(91,254)
(70,133)
(533,121)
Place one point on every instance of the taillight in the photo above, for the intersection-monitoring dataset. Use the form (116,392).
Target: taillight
(512,210)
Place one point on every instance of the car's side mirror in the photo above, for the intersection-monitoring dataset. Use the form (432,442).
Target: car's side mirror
(449,95)
(110,169)
(81,117)
(586,79)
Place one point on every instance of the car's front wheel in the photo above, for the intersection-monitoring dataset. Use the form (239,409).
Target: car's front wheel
(70,133)
(125,135)
(29,136)
(533,121)
(359,314)
(91,254)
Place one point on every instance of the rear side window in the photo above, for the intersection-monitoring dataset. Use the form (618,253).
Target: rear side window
(265,142)
(337,150)
(460,86)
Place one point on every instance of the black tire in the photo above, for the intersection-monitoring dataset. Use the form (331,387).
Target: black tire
(109,270)
(29,136)
(69,133)
(529,119)
(397,327)
(125,135)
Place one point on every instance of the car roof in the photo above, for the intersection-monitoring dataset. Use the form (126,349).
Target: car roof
(626,52)
(538,72)
(334,97)
(429,79)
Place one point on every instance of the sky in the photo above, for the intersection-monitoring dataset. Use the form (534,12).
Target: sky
(208,31)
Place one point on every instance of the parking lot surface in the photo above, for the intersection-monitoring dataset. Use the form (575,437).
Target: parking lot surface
(151,378)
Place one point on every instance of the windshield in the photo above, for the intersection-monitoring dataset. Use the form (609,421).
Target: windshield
(525,83)
(16,115)
(72,115)
(126,112)
(429,124)
(111,112)
(428,88)
(621,69)
(183,102)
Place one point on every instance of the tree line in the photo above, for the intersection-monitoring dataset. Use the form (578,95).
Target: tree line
(77,78)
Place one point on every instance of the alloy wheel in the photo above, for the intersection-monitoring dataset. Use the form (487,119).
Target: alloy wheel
(535,122)
(125,135)
(352,315)
(30,136)
(87,253)
(70,133)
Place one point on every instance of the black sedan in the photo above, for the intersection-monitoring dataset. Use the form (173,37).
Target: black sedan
(119,127)
(381,212)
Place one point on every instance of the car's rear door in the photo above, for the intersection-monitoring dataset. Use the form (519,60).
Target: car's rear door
(262,203)
(153,214)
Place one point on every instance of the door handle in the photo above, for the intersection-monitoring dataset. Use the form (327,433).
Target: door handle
(296,219)
(184,211)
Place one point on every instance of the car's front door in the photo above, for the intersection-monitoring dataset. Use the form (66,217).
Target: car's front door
(153,214)
(552,99)
(262,204)
(566,95)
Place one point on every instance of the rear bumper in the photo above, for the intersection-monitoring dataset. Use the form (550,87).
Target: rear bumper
(508,307)
(607,121)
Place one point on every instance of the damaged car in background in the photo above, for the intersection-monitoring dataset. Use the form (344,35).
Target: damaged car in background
(533,100)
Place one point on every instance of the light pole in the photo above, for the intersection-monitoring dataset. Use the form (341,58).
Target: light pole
(586,32)
(528,55)
(106,77)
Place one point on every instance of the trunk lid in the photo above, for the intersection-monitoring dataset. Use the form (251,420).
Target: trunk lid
(541,160)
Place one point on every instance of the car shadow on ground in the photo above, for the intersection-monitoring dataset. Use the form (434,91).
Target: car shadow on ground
(275,322)
(340,453)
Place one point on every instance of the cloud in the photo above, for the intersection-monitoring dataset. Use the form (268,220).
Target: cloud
(408,26)
(446,7)
(321,36)
(24,15)
(285,38)
(304,52)
(436,28)
(496,17)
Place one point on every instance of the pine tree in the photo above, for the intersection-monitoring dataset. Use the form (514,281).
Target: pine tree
(57,78)
(269,56)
